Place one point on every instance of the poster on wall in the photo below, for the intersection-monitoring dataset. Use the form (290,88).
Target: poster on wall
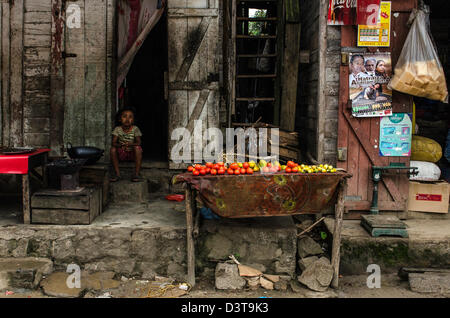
(395,135)
(379,34)
(342,12)
(367,12)
(369,74)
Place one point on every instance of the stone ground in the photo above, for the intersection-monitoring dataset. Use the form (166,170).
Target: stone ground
(350,287)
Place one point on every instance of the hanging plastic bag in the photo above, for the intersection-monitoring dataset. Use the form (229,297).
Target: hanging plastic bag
(418,71)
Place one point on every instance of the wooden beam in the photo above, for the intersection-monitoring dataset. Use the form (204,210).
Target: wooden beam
(289,76)
(57,79)
(16,73)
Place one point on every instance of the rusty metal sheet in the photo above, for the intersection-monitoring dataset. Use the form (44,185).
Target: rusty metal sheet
(265,194)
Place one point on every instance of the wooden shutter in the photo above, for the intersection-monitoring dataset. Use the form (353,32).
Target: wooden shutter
(193,37)
(360,136)
(89,85)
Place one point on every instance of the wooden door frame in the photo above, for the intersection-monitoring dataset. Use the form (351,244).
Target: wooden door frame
(348,125)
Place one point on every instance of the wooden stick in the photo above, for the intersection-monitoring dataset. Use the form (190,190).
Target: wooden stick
(336,252)
(26,199)
(190,239)
(310,227)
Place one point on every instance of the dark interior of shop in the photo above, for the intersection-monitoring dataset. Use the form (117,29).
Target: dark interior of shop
(145,92)
(433,117)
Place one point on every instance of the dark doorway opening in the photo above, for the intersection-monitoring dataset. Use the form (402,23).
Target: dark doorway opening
(145,92)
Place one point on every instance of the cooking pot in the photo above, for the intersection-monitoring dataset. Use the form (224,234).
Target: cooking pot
(92,154)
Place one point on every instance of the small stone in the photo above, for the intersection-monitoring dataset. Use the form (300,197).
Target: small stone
(318,275)
(281,285)
(265,283)
(296,287)
(124,279)
(308,247)
(272,278)
(248,271)
(252,282)
(306,261)
(227,277)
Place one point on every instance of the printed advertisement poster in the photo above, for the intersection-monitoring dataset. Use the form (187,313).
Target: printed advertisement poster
(395,135)
(379,34)
(368,12)
(369,74)
(342,12)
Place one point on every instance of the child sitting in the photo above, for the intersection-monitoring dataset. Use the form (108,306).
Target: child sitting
(126,144)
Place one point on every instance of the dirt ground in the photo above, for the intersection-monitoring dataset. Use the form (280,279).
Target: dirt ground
(350,287)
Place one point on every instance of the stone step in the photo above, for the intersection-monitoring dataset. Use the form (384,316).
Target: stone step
(128,191)
(426,246)
(26,272)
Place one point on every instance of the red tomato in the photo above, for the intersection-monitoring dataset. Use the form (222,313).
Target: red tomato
(209,165)
(196,172)
(203,172)
(208,170)
(245,165)
(243,171)
(230,171)
(213,172)
(295,169)
(288,170)
(221,163)
(221,171)
(269,164)
(237,171)
(278,168)
(216,166)
(249,171)
(190,168)
(234,166)
(198,167)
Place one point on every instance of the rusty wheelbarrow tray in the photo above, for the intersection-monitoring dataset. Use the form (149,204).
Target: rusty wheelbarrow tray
(259,195)
(264,195)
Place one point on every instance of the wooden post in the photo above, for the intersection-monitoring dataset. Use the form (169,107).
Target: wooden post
(26,199)
(189,235)
(339,215)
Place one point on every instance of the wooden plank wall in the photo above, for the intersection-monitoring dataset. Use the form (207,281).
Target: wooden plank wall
(37,25)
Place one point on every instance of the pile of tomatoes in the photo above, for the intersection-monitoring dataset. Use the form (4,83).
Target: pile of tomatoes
(251,167)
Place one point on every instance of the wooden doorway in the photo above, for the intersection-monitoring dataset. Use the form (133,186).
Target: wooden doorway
(358,137)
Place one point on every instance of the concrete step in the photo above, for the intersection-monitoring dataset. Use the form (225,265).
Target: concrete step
(23,272)
(128,191)
(428,245)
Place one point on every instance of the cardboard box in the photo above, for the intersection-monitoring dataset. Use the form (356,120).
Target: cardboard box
(428,196)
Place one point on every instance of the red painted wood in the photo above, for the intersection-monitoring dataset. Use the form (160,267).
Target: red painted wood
(361,136)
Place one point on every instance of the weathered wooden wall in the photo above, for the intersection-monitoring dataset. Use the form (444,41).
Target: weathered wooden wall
(49,100)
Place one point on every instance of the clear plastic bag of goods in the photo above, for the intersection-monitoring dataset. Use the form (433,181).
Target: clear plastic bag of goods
(418,71)
(425,149)
(428,171)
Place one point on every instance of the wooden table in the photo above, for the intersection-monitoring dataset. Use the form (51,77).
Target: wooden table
(25,164)
(192,217)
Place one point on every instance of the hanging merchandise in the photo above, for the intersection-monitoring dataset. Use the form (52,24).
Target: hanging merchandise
(418,71)
(395,135)
(369,74)
(379,33)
